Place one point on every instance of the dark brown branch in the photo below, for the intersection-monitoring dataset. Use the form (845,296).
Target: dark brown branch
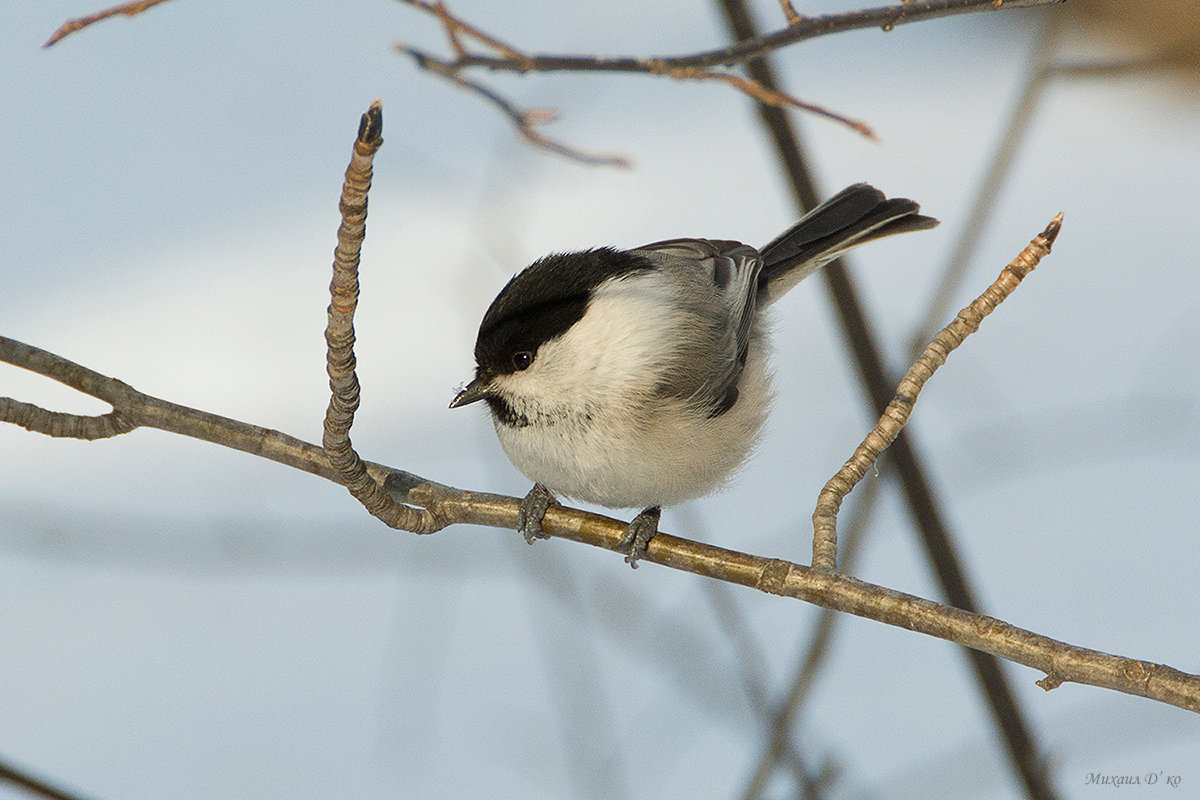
(699,66)
(504,56)
(885,17)
(918,493)
(33,785)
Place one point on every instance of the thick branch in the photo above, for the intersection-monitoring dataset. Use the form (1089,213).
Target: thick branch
(1062,663)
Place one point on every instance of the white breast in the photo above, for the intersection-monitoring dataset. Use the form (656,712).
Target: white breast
(600,432)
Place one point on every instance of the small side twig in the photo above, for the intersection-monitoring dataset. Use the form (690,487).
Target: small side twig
(898,411)
(129,9)
(789,12)
(757,91)
(339,338)
(524,120)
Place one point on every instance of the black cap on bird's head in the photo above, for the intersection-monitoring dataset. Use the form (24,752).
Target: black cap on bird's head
(539,304)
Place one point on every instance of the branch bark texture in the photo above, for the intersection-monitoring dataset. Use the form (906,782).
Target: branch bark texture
(1061,662)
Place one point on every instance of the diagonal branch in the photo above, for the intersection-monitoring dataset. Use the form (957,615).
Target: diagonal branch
(129,9)
(494,54)
(525,120)
(922,503)
(497,55)
(500,55)
(1062,662)
(898,411)
(32,784)
(885,17)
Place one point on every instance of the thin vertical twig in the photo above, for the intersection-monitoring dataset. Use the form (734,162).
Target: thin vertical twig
(339,338)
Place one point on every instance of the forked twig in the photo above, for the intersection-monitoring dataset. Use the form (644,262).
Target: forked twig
(499,55)
(898,411)
(504,56)
(524,120)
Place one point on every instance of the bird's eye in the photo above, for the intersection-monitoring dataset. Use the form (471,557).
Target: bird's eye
(522,359)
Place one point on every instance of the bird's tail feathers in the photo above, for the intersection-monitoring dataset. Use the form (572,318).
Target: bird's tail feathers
(857,214)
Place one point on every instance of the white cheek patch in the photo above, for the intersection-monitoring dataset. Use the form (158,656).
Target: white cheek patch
(614,351)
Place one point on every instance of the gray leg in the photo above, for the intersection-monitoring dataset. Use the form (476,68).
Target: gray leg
(533,508)
(639,533)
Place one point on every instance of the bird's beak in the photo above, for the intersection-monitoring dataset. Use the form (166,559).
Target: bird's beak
(474,391)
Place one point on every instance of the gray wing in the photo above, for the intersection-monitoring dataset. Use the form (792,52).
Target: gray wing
(710,276)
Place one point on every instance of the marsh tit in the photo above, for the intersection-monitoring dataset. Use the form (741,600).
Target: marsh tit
(638,378)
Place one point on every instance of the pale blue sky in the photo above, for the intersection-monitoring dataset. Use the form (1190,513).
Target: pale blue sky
(180,621)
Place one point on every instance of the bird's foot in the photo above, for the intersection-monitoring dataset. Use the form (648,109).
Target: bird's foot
(533,508)
(638,535)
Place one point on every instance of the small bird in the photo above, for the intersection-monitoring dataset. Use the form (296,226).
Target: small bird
(638,378)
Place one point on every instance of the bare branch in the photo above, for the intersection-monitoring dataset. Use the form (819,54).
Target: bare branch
(524,120)
(885,17)
(500,55)
(339,339)
(138,410)
(771,97)
(1062,663)
(32,784)
(789,12)
(900,409)
(506,57)
(129,9)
